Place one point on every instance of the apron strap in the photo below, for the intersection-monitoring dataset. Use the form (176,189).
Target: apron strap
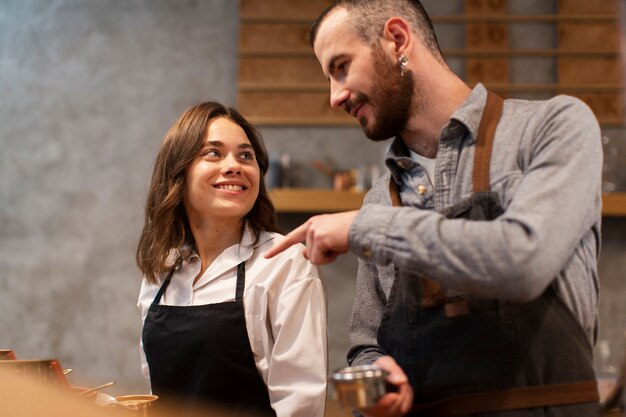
(511,399)
(484,141)
(241,281)
(432,294)
(157,299)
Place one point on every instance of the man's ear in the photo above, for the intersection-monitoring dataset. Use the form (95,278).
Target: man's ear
(397,32)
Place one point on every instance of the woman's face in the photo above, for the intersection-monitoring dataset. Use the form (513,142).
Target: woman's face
(223,180)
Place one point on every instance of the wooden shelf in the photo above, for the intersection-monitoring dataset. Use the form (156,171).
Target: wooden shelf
(614,204)
(304,200)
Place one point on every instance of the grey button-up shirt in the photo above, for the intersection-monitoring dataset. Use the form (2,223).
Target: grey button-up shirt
(546,170)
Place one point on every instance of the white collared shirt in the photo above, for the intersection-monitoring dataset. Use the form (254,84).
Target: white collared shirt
(285,308)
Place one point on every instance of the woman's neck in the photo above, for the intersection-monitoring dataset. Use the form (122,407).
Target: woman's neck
(212,238)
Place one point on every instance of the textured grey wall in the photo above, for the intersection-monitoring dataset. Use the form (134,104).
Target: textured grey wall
(89,89)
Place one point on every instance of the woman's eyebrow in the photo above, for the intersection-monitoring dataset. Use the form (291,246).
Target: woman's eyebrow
(220,144)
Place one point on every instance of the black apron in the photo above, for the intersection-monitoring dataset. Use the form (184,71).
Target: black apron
(202,355)
(466,356)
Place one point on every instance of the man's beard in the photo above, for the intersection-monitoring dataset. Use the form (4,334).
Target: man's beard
(391,98)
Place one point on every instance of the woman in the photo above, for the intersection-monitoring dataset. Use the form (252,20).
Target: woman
(222,324)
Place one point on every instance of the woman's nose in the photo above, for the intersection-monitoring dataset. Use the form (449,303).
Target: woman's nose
(231,165)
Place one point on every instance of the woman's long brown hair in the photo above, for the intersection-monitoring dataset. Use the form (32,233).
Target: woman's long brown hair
(166,226)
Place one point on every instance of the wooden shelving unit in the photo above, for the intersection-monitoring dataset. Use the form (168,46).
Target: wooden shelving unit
(280,81)
(304,200)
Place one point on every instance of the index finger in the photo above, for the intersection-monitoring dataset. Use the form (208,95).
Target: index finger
(297,235)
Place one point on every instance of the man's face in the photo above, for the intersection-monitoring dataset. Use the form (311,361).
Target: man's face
(391,98)
(364,81)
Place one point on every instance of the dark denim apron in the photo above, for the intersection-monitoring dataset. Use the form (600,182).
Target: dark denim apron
(466,356)
(201,355)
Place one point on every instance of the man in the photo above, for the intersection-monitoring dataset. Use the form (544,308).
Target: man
(477,286)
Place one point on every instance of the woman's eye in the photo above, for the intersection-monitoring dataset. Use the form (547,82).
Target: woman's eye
(212,153)
(248,156)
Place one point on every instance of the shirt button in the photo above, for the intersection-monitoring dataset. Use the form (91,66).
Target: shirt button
(367,253)
(421,189)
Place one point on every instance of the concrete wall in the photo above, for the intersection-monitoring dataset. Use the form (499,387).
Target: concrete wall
(88,90)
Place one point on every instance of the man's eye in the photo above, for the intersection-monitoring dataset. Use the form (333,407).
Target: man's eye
(341,68)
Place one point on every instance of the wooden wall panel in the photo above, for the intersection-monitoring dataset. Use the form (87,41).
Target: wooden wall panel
(259,38)
(591,71)
(283,9)
(485,7)
(599,37)
(608,107)
(487,70)
(574,7)
(487,37)
(299,107)
(281,72)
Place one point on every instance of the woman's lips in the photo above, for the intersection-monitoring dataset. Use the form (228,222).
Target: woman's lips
(230,187)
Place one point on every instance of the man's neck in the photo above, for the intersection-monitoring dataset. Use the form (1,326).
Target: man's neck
(439,103)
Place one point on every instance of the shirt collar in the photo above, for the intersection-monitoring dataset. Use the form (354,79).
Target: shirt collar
(241,251)
(398,159)
(467,116)
(232,256)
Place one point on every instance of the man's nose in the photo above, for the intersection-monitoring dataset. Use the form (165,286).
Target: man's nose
(338,95)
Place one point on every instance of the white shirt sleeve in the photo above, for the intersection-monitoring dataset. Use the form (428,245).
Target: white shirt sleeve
(297,369)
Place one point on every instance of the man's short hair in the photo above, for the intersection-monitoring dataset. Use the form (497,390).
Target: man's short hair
(368,18)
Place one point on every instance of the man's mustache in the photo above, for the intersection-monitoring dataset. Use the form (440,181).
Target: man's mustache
(351,104)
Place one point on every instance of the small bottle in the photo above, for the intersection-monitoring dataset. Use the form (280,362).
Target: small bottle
(374,174)
(273,177)
(285,170)
(606,373)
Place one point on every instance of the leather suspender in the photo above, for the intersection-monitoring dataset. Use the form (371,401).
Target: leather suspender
(484,142)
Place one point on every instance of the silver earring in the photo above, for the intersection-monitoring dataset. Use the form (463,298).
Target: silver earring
(403,61)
